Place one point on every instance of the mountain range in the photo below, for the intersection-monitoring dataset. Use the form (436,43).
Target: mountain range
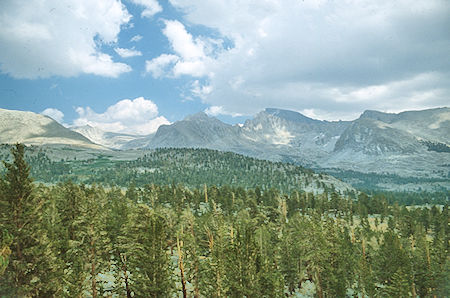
(408,144)
(35,129)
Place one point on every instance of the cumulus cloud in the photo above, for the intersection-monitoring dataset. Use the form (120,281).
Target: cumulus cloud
(126,53)
(151,7)
(137,116)
(55,114)
(332,58)
(182,42)
(190,55)
(161,65)
(200,90)
(60,37)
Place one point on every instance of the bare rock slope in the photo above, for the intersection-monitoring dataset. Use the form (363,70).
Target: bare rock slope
(35,129)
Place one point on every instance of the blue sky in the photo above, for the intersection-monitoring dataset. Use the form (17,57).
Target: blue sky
(132,65)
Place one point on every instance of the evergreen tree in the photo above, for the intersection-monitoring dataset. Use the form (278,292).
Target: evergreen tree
(5,251)
(30,271)
(119,209)
(90,251)
(399,285)
(392,259)
(145,248)
(191,250)
(242,258)
(215,238)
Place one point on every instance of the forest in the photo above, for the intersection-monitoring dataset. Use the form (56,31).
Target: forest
(168,240)
(187,166)
(370,182)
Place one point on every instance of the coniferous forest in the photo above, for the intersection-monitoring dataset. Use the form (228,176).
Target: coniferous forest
(87,240)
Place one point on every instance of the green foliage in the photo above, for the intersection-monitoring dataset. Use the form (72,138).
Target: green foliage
(373,182)
(163,240)
(145,254)
(436,146)
(32,262)
(190,167)
(5,251)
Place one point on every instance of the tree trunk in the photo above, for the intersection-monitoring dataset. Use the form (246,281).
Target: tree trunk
(93,274)
(196,284)
(125,274)
(318,286)
(180,263)
(94,280)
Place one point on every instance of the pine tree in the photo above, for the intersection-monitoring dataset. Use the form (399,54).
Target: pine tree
(145,248)
(191,250)
(30,271)
(392,259)
(242,258)
(90,251)
(215,237)
(399,285)
(5,251)
(119,207)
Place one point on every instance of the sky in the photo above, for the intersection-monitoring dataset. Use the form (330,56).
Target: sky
(133,65)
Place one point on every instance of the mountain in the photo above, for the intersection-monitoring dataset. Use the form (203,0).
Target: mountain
(112,140)
(293,136)
(377,133)
(35,129)
(201,131)
(377,143)
(374,137)
(197,130)
(407,146)
(412,144)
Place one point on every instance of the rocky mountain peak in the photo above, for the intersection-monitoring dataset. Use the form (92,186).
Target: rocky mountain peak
(200,116)
(289,115)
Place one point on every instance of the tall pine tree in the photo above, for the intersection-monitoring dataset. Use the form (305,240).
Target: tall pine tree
(30,271)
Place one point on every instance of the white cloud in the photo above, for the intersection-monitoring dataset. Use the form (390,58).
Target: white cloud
(214,111)
(136,38)
(200,90)
(55,114)
(138,116)
(190,59)
(99,64)
(60,37)
(309,54)
(161,66)
(195,68)
(182,42)
(126,53)
(219,110)
(152,7)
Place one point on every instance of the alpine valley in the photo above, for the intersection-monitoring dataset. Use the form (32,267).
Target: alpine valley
(379,151)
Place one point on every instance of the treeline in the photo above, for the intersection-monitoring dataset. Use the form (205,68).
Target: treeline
(190,167)
(373,182)
(73,240)
(411,198)
(436,146)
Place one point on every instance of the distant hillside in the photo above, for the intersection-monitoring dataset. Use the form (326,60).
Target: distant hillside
(190,167)
(110,139)
(412,145)
(35,129)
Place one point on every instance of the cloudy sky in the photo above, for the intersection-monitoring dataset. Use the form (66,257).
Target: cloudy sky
(132,65)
